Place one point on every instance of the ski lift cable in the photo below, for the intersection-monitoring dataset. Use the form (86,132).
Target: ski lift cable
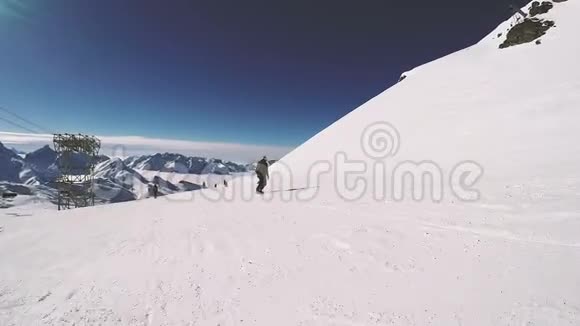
(27,121)
(15,124)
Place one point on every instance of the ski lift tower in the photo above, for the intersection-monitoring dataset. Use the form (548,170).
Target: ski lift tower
(77,156)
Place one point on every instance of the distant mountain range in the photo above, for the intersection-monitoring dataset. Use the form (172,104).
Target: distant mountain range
(178,163)
(116,180)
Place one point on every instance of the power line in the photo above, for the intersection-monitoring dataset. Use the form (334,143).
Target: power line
(41,128)
(18,125)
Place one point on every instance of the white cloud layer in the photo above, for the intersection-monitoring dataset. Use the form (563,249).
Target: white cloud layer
(123,146)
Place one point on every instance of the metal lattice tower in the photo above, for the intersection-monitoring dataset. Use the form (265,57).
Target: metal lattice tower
(77,156)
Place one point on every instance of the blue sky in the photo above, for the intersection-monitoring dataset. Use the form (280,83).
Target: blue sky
(249,72)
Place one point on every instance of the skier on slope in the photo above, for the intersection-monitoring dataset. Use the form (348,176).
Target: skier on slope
(155,190)
(263,174)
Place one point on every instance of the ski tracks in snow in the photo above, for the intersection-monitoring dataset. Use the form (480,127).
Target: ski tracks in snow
(498,234)
(337,266)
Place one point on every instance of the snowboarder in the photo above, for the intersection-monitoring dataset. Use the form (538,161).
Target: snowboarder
(263,174)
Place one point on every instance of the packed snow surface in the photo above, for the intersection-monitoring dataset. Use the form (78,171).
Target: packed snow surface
(309,253)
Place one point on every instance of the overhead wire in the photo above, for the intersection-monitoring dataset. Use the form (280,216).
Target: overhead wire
(26,121)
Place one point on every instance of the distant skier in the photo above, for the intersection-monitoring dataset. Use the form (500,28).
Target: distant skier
(263,174)
(204,185)
(155,190)
(226,183)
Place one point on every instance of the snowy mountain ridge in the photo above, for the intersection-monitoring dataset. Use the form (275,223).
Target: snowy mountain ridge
(177,163)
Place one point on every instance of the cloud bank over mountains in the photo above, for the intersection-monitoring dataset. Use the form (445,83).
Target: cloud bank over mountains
(124,146)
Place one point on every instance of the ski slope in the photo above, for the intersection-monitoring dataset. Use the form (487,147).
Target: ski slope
(314,255)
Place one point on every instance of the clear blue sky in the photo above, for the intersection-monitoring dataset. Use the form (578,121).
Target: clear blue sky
(256,72)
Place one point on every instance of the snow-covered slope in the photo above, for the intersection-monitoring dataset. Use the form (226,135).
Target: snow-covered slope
(29,200)
(319,256)
(115,182)
(513,111)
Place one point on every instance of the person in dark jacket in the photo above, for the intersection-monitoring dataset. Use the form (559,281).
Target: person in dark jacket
(263,174)
(155,190)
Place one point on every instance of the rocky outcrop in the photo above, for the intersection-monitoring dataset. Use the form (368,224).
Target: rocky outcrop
(188,186)
(527,31)
(532,27)
(540,8)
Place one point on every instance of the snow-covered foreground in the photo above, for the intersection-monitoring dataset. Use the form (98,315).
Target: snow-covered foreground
(178,261)
(335,253)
